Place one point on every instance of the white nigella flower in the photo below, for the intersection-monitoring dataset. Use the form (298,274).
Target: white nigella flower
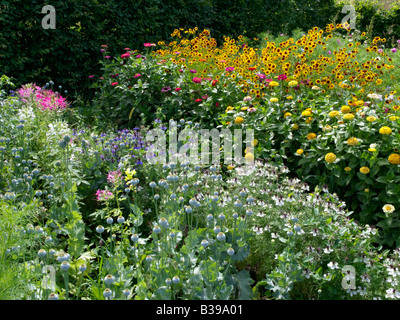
(257,230)
(365,278)
(392,294)
(352,292)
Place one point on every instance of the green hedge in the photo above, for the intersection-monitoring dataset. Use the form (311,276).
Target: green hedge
(376,18)
(70,53)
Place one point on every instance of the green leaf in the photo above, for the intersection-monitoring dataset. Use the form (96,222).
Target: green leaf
(244,283)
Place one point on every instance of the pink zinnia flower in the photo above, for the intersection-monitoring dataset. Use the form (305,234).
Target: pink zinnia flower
(107,57)
(147,44)
(282,77)
(229,69)
(178,89)
(137,75)
(91,76)
(198,100)
(196,80)
(193,71)
(125,55)
(114,83)
(393,50)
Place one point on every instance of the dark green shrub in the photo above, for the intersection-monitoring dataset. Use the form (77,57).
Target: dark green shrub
(70,53)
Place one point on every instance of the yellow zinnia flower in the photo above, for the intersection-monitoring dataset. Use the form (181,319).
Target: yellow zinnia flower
(254,142)
(249,157)
(327,128)
(287,114)
(347,169)
(239,120)
(295,127)
(346,109)
(311,136)
(273,100)
(333,114)
(352,141)
(293,83)
(306,113)
(364,170)
(394,158)
(348,116)
(299,151)
(371,118)
(385,130)
(274,84)
(330,157)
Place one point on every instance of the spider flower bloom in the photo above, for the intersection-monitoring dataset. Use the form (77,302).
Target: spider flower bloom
(114,177)
(103,195)
(45,99)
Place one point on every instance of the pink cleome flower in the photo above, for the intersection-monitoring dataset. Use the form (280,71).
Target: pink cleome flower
(103,195)
(114,177)
(45,99)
